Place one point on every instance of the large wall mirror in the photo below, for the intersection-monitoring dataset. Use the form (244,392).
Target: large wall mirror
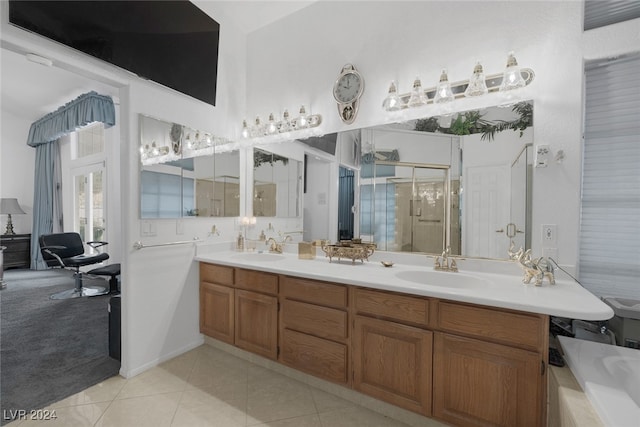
(186,172)
(462,181)
(277,185)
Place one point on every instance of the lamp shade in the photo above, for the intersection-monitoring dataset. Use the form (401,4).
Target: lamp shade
(10,206)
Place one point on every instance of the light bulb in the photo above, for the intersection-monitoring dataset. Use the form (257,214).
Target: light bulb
(418,97)
(302,120)
(258,129)
(188,142)
(512,79)
(271,125)
(285,125)
(445,120)
(443,90)
(392,102)
(245,130)
(477,85)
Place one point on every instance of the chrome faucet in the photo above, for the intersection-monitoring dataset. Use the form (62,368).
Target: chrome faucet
(448,263)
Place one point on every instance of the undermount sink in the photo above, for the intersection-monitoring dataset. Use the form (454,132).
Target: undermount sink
(445,280)
(258,256)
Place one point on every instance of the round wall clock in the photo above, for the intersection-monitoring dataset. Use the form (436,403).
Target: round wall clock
(347,91)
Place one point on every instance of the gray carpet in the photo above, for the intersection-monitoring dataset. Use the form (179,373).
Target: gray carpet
(50,349)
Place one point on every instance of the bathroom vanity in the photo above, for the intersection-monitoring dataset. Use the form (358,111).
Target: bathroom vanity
(465,348)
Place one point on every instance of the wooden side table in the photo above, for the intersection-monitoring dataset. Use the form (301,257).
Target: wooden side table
(18,252)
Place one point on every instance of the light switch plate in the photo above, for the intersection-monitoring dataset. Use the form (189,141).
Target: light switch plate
(549,235)
(148,229)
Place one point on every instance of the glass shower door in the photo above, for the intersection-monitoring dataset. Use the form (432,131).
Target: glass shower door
(421,209)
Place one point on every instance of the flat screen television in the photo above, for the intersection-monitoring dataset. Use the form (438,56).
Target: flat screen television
(171,42)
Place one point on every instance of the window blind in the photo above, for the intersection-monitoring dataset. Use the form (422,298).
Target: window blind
(609,258)
(598,13)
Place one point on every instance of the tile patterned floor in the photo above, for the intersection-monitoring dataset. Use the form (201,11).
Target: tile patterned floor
(208,387)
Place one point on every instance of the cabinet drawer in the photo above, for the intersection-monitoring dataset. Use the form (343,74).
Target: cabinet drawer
(315,320)
(256,281)
(313,291)
(402,308)
(516,329)
(216,274)
(316,356)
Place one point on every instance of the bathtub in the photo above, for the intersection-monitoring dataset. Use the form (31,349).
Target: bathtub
(610,377)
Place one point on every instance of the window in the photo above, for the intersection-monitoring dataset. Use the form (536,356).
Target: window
(609,259)
(165,195)
(89,141)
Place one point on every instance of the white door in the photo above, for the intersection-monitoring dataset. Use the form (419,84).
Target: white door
(89,202)
(486,211)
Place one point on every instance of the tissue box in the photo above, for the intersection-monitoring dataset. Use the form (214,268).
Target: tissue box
(306,250)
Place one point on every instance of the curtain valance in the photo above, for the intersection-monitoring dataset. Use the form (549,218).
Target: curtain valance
(87,108)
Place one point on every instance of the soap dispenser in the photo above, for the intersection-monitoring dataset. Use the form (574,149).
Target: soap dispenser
(240,243)
(263,237)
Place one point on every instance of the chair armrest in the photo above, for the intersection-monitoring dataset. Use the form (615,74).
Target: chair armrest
(96,244)
(50,251)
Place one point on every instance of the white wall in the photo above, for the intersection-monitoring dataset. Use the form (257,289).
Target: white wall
(16,169)
(317,200)
(401,40)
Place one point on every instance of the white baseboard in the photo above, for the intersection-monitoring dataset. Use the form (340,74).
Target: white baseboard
(130,373)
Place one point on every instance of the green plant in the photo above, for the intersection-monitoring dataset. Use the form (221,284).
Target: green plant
(260,157)
(524,109)
(471,122)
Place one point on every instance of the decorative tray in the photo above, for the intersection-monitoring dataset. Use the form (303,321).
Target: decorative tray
(352,251)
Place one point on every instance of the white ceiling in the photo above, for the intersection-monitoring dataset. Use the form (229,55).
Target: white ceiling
(32,90)
(250,15)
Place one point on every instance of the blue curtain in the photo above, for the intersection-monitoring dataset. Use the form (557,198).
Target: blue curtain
(88,108)
(43,135)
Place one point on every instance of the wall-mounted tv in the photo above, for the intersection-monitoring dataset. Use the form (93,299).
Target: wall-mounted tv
(170,42)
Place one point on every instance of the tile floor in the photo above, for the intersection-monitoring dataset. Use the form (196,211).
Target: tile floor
(208,387)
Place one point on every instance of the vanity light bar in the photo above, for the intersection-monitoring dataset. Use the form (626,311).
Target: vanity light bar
(512,78)
(284,125)
(493,82)
(150,154)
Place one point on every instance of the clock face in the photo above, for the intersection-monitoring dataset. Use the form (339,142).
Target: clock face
(347,88)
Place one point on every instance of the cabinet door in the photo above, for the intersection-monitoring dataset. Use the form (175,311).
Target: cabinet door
(476,383)
(216,311)
(256,325)
(392,362)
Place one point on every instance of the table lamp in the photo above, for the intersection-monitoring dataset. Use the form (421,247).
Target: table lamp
(9,207)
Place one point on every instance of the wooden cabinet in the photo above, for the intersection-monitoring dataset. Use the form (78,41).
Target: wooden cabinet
(231,313)
(217,311)
(217,302)
(256,323)
(18,250)
(314,328)
(392,362)
(465,364)
(489,366)
(477,383)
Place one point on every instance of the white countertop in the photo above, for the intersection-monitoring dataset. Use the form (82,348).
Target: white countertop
(564,299)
